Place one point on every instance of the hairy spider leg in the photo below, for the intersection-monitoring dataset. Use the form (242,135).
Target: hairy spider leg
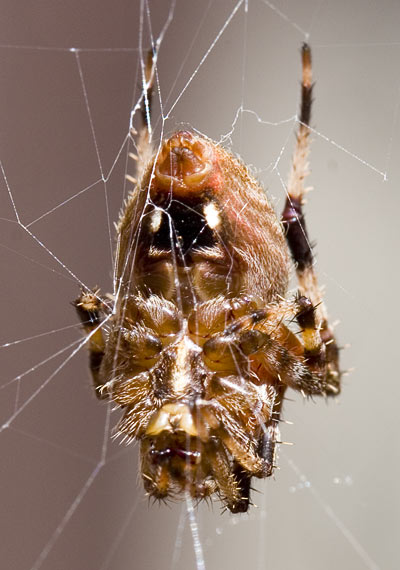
(90,309)
(320,348)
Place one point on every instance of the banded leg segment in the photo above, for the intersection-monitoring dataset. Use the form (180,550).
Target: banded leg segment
(320,347)
(271,433)
(143,144)
(90,310)
(292,216)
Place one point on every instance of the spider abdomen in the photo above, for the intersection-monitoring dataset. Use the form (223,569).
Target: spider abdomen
(183,235)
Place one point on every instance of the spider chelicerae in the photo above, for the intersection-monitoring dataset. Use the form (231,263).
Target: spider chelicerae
(196,345)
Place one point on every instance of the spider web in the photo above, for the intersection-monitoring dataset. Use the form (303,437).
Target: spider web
(72,78)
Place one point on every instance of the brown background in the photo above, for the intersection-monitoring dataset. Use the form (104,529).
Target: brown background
(335,501)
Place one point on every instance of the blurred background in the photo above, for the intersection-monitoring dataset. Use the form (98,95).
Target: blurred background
(70,77)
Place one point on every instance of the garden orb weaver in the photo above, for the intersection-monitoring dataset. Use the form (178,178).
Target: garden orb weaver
(195,349)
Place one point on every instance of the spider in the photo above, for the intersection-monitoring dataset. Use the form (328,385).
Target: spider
(196,346)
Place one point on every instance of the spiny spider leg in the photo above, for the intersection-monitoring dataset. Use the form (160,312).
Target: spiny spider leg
(266,450)
(270,436)
(320,347)
(91,309)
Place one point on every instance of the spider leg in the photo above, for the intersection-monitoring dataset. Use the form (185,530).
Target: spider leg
(90,310)
(271,433)
(264,453)
(243,479)
(320,347)
(143,144)
(227,483)
(241,341)
(256,461)
(279,362)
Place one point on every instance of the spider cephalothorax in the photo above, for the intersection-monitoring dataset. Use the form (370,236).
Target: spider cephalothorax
(197,351)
